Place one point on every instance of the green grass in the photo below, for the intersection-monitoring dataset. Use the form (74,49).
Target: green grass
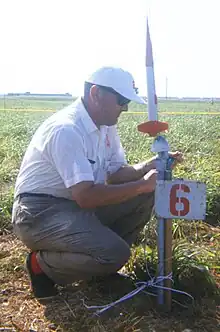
(196,248)
(178,106)
(196,135)
(58,103)
(33,103)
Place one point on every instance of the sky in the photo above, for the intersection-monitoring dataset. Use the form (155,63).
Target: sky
(51,46)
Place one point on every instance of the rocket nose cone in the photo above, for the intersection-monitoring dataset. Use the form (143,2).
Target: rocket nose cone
(149,52)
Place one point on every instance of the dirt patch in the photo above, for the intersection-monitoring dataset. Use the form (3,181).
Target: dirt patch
(20,311)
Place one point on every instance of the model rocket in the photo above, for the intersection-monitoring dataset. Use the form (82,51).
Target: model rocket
(153,126)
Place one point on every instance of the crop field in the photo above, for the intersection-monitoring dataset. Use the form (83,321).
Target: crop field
(194,129)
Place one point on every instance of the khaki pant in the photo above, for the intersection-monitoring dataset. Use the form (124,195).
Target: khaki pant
(75,244)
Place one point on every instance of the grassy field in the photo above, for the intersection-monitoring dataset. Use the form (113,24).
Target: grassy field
(196,244)
(16,103)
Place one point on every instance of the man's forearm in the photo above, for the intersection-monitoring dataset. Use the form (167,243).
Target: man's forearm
(130,173)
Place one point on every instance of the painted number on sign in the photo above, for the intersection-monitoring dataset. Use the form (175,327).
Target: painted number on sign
(180,199)
(174,200)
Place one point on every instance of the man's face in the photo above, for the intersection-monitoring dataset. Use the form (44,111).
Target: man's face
(111,105)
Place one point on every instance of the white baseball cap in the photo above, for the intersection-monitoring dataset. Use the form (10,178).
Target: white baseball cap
(119,80)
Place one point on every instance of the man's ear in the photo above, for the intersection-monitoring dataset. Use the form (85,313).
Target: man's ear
(94,94)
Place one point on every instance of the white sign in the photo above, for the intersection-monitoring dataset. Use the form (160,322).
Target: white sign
(180,199)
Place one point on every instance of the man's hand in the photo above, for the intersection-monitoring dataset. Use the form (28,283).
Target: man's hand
(129,173)
(151,164)
(178,156)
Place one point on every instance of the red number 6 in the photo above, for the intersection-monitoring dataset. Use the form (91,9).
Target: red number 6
(174,200)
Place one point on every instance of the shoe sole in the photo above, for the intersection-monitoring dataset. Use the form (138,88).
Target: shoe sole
(36,297)
(47,298)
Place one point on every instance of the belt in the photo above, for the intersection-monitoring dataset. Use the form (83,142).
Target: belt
(33,195)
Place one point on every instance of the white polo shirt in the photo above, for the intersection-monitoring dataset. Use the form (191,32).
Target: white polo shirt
(67,149)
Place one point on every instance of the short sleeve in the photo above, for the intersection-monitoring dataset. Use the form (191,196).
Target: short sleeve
(67,154)
(118,157)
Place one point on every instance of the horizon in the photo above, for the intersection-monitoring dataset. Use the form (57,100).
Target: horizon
(51,47)
(67,95)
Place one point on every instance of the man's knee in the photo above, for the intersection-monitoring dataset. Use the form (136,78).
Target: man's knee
(147,197)
(117,256)
(143,203)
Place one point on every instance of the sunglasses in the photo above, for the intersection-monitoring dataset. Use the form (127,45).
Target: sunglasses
(121,100)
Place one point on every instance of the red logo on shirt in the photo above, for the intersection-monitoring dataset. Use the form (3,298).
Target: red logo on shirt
(107,141)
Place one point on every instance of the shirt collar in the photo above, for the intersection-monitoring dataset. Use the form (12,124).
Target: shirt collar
(86,119)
